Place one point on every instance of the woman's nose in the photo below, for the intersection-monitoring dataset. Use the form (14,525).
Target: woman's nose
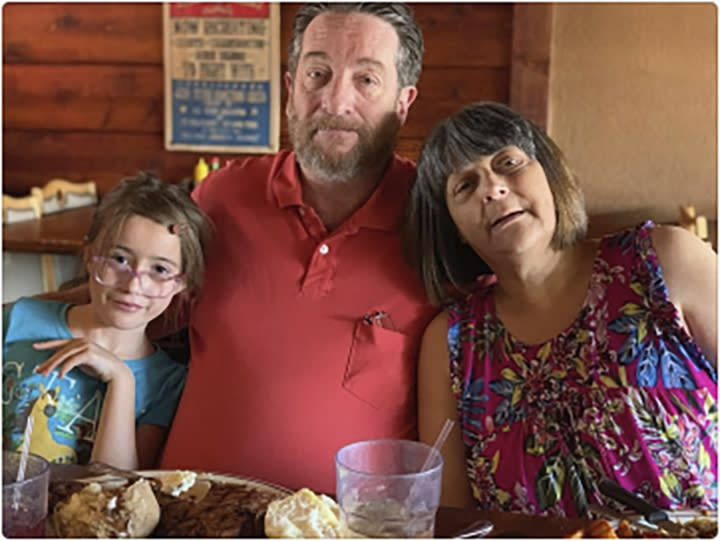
(494,188)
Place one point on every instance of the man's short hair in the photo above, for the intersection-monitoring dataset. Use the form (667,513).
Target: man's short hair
(400,16)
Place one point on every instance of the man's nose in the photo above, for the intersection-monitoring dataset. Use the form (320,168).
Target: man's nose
(494,188)
(339,96)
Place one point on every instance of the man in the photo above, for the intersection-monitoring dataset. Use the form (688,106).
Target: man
(306,334)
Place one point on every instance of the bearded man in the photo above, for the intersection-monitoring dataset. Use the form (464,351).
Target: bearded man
(306,334)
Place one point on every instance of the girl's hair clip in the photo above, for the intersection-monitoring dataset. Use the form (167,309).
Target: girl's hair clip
(177,229)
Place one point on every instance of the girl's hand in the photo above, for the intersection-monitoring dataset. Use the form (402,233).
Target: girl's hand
(91,358)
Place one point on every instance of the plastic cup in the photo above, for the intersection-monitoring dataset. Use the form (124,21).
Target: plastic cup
(383,493)
(25,503)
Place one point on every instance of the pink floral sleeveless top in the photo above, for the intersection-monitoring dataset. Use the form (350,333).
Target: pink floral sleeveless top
(623,393)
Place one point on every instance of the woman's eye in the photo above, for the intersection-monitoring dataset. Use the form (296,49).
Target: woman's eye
(461,187)
(512,162)
(119,259)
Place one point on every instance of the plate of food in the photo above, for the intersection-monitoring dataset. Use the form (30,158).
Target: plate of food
(700,524)
(159,503)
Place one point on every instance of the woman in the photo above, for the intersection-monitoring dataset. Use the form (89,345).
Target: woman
(584,359)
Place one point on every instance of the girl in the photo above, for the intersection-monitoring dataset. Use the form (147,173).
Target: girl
(96,386)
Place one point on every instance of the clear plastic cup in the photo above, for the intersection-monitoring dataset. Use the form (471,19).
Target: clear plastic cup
(383,493)
(25,503)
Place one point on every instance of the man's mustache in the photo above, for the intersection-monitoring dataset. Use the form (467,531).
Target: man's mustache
(333,123)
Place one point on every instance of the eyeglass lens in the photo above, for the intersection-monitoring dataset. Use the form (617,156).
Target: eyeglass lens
(111,273)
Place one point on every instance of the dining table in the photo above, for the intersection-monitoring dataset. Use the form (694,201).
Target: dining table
(450,520)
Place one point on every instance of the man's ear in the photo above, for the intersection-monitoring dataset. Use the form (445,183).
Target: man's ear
(288,78)
(405,100)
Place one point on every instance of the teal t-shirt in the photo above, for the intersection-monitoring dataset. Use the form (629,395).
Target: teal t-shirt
(66,411)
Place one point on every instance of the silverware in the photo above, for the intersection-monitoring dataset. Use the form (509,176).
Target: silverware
(479,528)
(638,523)
(653,514)
(72,472)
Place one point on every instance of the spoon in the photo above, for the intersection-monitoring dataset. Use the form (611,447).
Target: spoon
(479,528)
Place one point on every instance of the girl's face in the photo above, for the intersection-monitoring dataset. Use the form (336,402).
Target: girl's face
(135,280)
(502,204)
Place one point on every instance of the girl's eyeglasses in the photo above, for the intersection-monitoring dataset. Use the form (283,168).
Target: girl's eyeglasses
(153,283)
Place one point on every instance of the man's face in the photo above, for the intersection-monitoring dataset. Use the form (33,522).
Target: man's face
(344,105)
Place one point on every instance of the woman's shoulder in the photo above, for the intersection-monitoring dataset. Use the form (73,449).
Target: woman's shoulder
(477,300)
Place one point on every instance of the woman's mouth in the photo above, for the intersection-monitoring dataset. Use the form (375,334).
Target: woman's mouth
(506,218)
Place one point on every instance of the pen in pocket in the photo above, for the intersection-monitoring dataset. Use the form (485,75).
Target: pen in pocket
(379,318)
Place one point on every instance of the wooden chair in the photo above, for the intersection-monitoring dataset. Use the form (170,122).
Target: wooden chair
(19,209)
(693,223)
(59,194)
(55,196)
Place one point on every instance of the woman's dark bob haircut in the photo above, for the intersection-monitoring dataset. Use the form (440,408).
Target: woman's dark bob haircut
(448,266)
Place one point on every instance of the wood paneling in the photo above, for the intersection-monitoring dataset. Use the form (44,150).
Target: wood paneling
(530,72)
(110,98)
(83,85)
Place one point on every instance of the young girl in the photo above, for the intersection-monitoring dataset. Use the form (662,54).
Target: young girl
(96,386)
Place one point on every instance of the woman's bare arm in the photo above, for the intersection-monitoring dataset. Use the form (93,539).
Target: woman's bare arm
(436,404)
(689,267)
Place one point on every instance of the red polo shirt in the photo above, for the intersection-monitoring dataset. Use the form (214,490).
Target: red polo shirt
(302,340)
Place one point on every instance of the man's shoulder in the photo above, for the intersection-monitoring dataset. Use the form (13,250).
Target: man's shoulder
(254,166)
(404,166)
(242,176)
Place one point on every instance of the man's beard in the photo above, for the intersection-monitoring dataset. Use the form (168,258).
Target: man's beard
(373,148)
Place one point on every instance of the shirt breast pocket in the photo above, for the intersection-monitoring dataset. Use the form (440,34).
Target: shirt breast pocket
(380,369)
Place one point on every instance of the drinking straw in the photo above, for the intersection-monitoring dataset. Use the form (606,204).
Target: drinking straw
(24,452)
(439,441)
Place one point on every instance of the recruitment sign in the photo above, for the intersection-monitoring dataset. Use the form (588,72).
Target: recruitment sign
(222,76)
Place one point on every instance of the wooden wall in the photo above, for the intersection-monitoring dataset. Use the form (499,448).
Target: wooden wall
(83,85)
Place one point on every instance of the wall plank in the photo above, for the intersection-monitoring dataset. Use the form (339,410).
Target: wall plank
(130,98)
(66,33)
(33,157)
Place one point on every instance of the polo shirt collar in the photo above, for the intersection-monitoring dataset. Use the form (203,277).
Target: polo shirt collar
(385,208)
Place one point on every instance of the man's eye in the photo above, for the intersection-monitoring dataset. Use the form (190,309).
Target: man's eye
(316,75)
(367,80)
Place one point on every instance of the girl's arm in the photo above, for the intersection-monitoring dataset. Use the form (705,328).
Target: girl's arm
(436,404)
(115,436)
(689,267)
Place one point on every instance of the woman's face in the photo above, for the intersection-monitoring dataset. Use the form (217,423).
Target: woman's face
(502,204)
(120,298)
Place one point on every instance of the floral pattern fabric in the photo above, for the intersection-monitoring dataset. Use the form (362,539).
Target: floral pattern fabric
(624,392)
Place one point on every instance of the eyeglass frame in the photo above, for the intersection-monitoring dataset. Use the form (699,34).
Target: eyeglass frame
(135,274)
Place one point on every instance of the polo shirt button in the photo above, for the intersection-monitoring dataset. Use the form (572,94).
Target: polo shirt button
(301,211)
(324,249)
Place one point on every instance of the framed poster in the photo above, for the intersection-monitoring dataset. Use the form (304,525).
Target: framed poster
(222,76)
